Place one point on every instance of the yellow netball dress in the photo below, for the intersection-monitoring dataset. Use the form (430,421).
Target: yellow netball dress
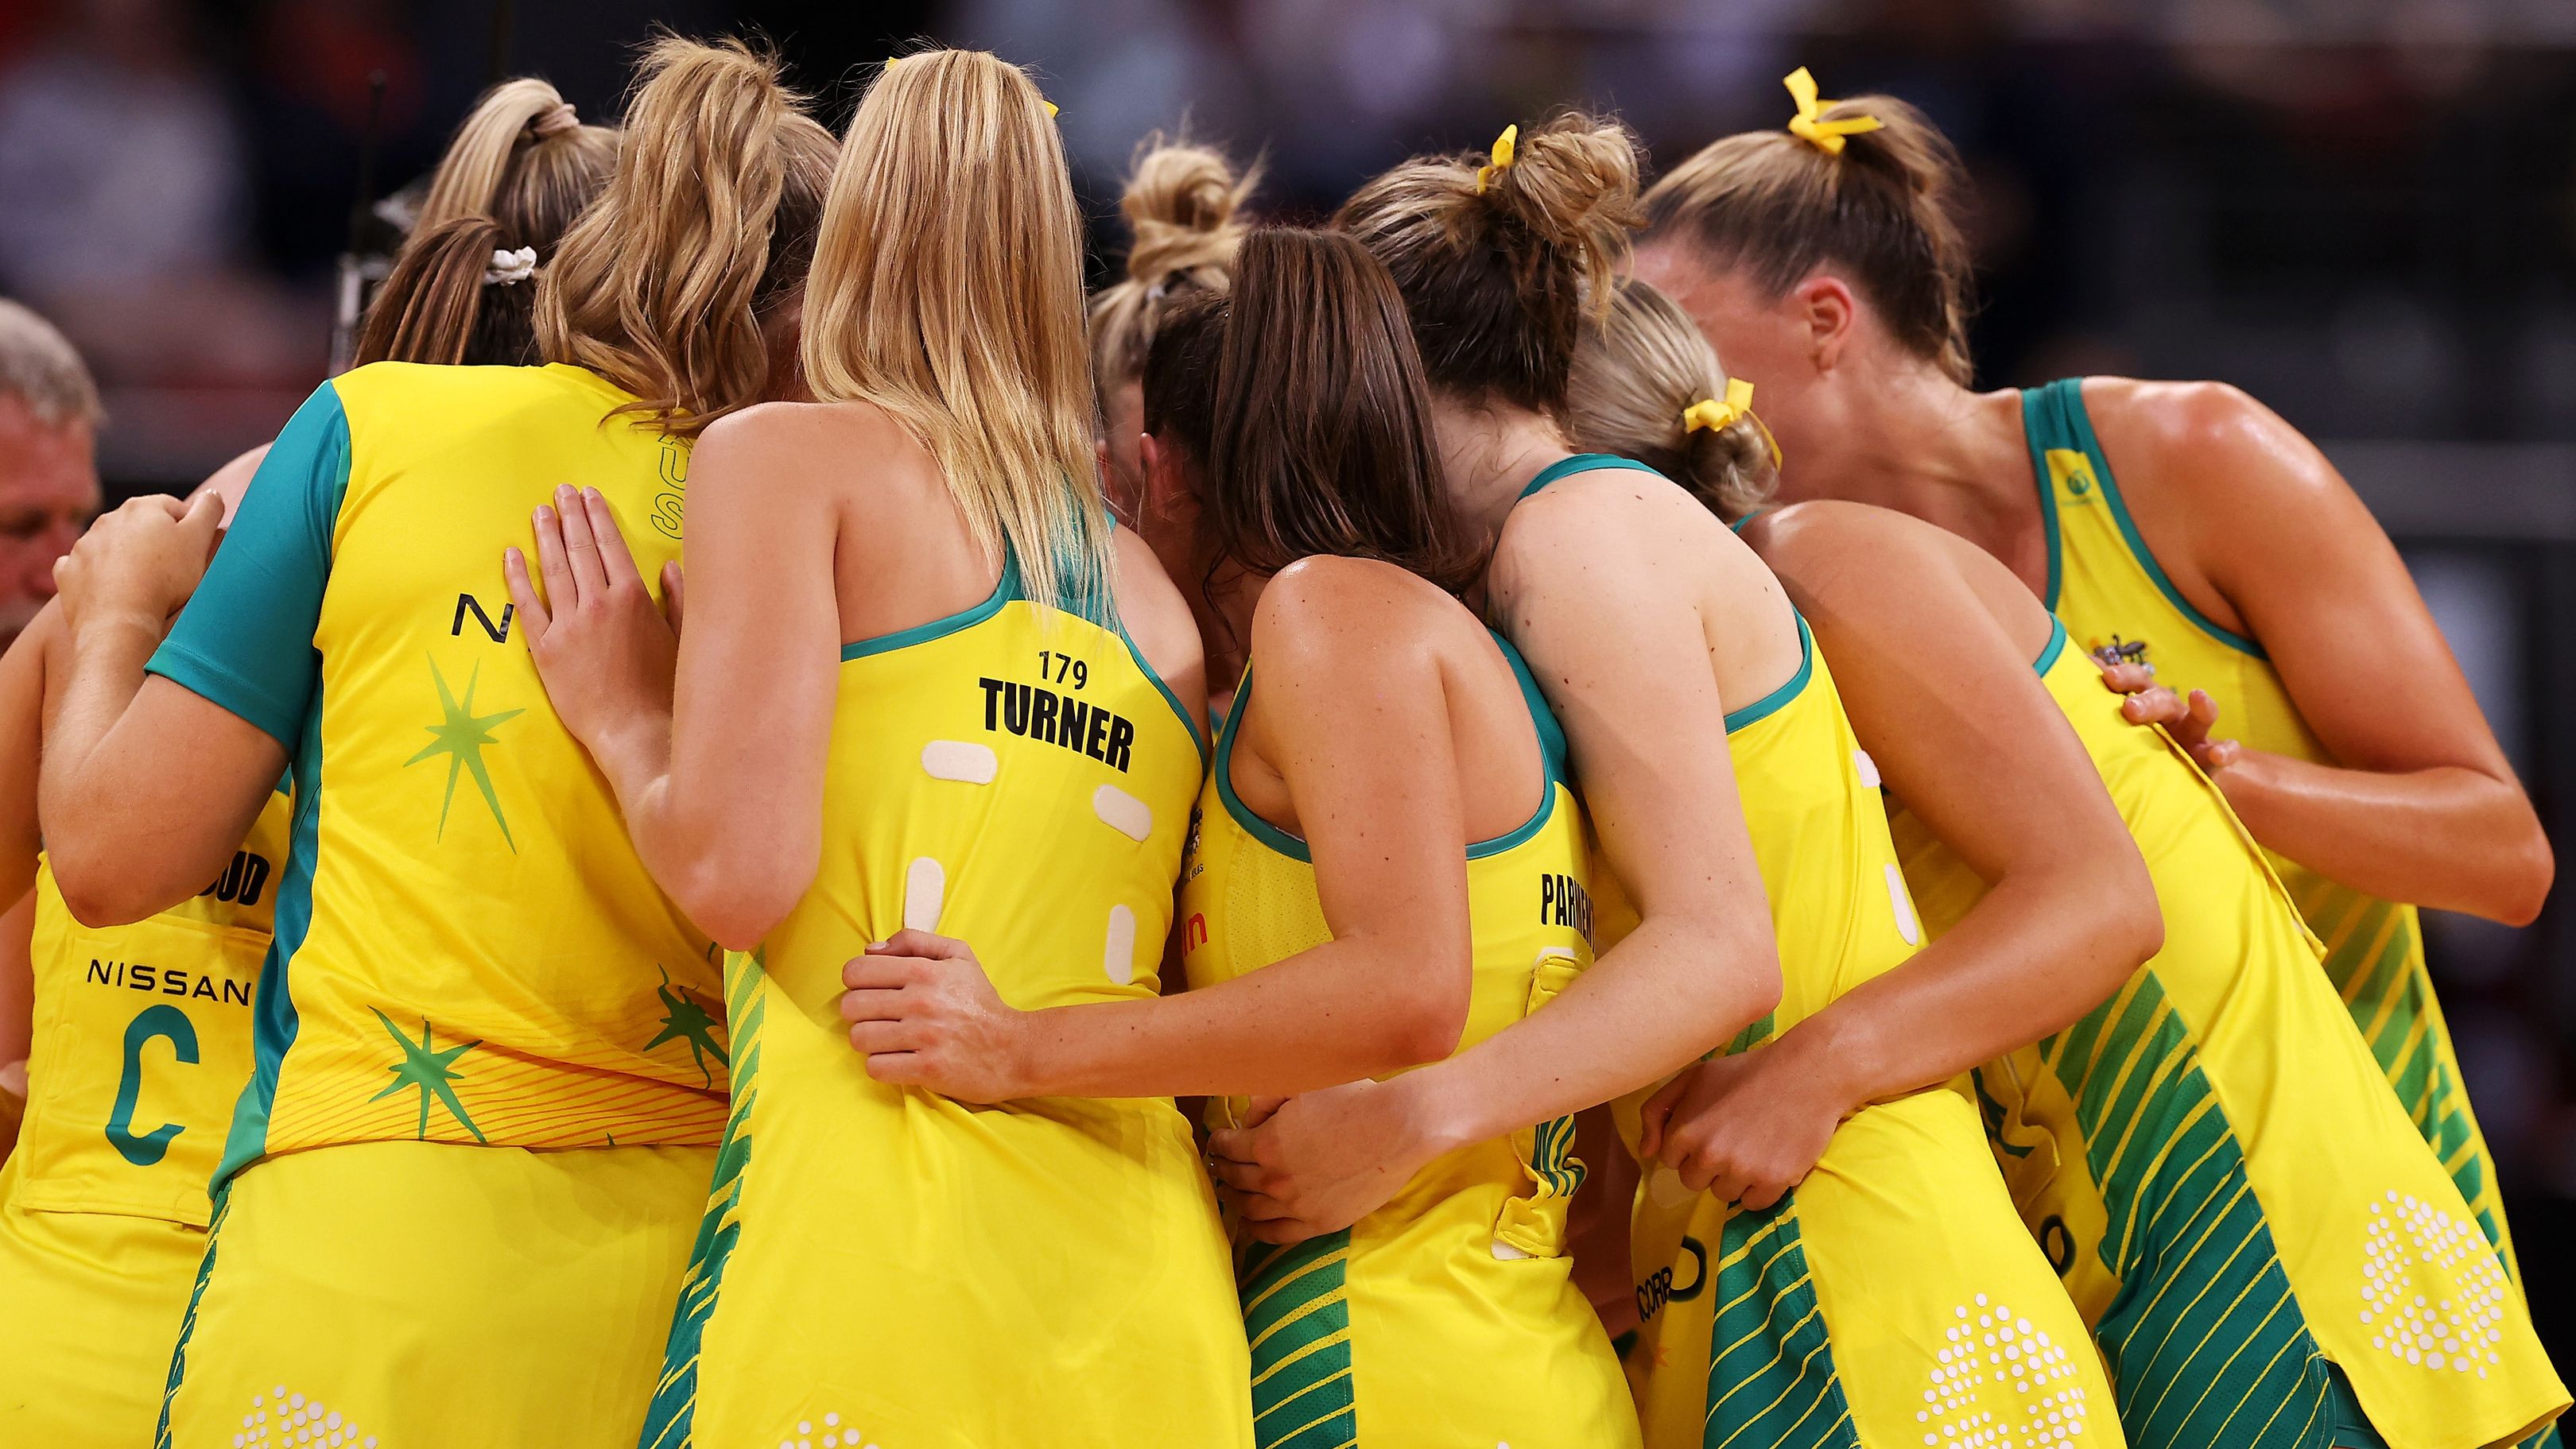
(470,964)
(2116,599)
(2212,1159)
(1894,1298)
(141,1042)
(884,1266)
(1448,1316)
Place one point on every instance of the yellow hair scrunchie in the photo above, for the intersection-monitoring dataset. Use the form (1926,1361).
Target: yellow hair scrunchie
(1714,413)
(1502,161)
(1809,124)
(895,60)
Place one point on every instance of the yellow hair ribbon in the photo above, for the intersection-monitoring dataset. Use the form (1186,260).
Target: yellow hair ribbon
(895,60)
(1713,414)
(1502,161)
(1809,124)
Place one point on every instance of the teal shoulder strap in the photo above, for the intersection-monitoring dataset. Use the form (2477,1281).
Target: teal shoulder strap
(1580,463)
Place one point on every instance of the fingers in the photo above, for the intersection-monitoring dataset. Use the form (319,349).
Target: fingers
(2158,705)
(616,563)
(523,596)
(1283,1231)
(2202,711)
(1241,1176)
(581,546)
(1233,1144)
(896,1069)
(922,944)
(2128,678)
(1762,1196)
(1652,1117)
(552,564)
(2217,755)
(675,593)
(874,1038)
(1261,1207)
(1260,1110)
(203,519)
(873,1004)
(881,973)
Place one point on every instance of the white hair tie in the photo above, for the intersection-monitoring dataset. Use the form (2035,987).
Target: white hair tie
(509,269)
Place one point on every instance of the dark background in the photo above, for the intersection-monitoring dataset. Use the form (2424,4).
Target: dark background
(2364,211)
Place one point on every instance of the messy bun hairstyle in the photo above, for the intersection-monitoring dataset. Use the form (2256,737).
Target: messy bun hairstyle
(1499,265)
(1640,368)
(1882,213)
(1183,205)
(521,167)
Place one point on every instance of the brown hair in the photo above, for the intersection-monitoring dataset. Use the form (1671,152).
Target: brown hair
(1641,367)
(1499,267)
(947,290)
(521,167)
(1880,213)
(1182,204)
(705,232)
(1302,399)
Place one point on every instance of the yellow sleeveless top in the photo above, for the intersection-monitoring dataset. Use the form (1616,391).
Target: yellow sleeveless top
(468,948)
(1017,778)
(142,1041)
(2117,601)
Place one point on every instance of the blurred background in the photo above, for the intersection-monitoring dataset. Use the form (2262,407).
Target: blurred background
(2363,211)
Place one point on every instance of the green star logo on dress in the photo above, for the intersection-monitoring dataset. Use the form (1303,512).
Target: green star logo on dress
(431,1072)
(685,1020)
(461,735)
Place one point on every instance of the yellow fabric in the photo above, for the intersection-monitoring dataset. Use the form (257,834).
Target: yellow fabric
(142,1040)
(1809,124)
(1464,1325)
(507,960)
(890,1262)
(1501,159)
(404,1294)
(2112,596)
(89,1308)
(1903,1225)
(2366,1222)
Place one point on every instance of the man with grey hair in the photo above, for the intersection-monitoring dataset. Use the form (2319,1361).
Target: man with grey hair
(49,417)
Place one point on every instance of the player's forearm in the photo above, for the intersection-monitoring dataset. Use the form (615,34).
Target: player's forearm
(1318,1019)
(98,808)
(1665,996)
(2452,838)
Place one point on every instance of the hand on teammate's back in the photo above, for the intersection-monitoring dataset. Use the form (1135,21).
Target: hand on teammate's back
(923,1012)
(141,561)
(1745,1127)
(605,652)
(2188,720)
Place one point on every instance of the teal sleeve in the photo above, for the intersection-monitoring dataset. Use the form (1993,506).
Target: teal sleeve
(245,641)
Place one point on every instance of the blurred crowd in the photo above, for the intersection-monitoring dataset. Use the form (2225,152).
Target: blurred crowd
(2364,211)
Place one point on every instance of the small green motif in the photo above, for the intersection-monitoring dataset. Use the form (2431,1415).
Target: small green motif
(685,1020)
(461,736)
(429,1071)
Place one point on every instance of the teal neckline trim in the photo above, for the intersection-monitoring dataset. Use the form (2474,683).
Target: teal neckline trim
(2070,403)
(1005,589)
(2035,432)
(1738,525)
(1580,463)
(1771,703)
(1551,754)
(2047,659)
(1198,733)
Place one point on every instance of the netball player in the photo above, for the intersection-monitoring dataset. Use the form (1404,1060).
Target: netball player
(2130,1136)
(1837,1310)
(457,1196)
(2226,553)
(923,687)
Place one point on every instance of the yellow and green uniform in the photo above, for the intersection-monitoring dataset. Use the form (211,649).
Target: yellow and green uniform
(2116,599)
(2228,1223)
(141,1042)
(883,1265)
(1894,1297)
(1449,1315)
(473,973)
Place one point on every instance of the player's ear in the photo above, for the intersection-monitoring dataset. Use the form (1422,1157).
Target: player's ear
(1825,309)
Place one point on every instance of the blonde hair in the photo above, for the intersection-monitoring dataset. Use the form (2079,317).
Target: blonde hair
(1882,211)
(1182,204)
(947,290)
(42,370)
(1640,367)
(1499,266)
(705,231)
(521,167)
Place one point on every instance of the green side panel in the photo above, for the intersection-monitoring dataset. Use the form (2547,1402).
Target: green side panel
(2205,1342)
(188,1321)
(1771,1377)
(1297,1314)
(1552,1161)
(670,1421)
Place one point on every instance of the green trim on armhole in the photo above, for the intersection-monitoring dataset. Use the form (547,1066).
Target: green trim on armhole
(274,1023)
(1005,589)
(1771,703)
(2047,659)
(2037,430)
(2063,414)
(1297,1318)
(1581,463)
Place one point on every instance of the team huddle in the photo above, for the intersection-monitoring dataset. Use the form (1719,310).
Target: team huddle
(1885,921)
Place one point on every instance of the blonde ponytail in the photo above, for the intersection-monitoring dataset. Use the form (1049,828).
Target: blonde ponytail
(1640,370)
(1183,205)
(947,290)
(662,286)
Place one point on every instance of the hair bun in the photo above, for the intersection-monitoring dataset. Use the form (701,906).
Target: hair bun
(554,121)
(1181,202)
(1573,184)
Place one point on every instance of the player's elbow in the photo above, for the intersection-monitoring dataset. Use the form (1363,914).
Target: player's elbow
(739,897)
(2129,918)
(104,888)
(1424,1013)
(1745,987)
(2526,871)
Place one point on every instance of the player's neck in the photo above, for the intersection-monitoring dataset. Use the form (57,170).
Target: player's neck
(1921,444)
(1488,453)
